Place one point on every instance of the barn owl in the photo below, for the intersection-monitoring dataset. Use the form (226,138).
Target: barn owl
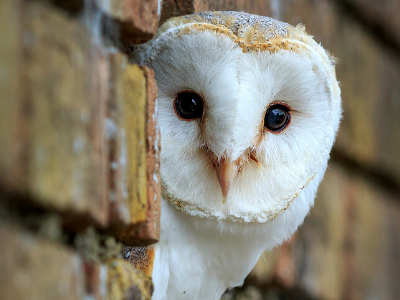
(248,109)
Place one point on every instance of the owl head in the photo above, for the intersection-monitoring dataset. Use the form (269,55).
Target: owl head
(248,109)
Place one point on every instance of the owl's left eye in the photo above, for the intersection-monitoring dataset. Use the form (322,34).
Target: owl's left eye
(189,105)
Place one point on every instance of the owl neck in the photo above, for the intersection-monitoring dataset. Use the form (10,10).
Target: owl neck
(189,246)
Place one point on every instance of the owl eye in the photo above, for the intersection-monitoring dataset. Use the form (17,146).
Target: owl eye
(277,117)
(189,105)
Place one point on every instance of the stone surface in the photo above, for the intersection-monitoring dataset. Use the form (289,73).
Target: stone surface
(32,268)
(135,145)
(138,19)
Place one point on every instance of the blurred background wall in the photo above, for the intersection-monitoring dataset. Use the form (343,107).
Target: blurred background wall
(53,51)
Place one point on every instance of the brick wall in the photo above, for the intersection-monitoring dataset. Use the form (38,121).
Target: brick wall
(79,166)
(75,188)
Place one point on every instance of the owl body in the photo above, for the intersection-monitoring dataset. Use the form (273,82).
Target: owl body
(199,258)
(248,109)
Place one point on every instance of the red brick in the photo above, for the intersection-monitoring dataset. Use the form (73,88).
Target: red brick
(125,282)
(116,279)
(172,8)
(138,19)
(96,280)
(36,269)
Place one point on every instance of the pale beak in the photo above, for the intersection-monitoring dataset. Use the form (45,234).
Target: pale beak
(226,173)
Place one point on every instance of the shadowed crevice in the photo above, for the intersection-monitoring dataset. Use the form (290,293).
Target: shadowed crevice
(273,289)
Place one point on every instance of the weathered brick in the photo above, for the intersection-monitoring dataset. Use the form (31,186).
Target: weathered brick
(67,87)
(57,143)
(138,19)
(116,279)
(135,146)
(171,8)
(10,51)
(32,268)
(141,257)
(57,152)
(96,281)
(125,282)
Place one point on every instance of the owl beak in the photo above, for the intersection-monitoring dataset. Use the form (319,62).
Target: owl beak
(226,173)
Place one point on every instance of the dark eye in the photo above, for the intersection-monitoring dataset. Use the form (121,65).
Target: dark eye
(189,105)
(277,118)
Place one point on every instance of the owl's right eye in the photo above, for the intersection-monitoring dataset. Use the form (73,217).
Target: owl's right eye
(189,105)
(277,118)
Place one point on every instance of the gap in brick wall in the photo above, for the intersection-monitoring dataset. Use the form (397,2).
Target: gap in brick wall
(267,290)
(46,224)
(72,7)
(92,244)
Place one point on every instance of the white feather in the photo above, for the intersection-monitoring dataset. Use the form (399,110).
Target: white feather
(207,246)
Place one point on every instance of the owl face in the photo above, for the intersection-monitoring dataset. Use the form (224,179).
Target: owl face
(248,113)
